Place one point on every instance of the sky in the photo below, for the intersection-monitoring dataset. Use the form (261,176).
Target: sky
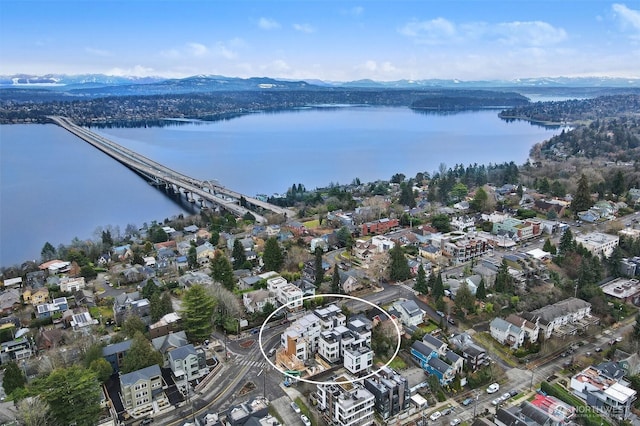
(331,40)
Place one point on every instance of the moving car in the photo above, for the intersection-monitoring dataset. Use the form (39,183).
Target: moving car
(493,388)
(435,416)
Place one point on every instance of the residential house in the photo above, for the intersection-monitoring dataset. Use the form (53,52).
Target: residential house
(633,196)
(190,278)
(380,226)
(131,304)
(255,301)
(410,313)
(428,360)
(248,413)
(552,208)
(187,363)
(562,318)
(85,298)
(349,281)
(69,285)
(115,353)
(506,333)
(122,252)
(142,391)
(205,252)
(169,342)
(47,310)
(603,392)
(306,287)
(286,293)
(35,296)
(9,300)
(55,266)
(169,323)
(531,330)
(474,356)
(49,339)
(82,321)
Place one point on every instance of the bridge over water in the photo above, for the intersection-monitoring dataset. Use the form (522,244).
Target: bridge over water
(158,174)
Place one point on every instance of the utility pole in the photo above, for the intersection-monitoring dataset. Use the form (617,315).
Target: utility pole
(475,406)
(531,383)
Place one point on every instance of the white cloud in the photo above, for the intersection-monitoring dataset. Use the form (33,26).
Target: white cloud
(97,52)
(628,18)
(434,31)
(277,66)
(531,33)
(304,28)
(197,49)
(224,51)
(268,24)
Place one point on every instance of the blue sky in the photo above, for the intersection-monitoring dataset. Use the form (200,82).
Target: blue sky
(328,39)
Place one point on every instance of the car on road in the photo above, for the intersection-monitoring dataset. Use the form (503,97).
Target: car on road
(146,421)
(295,407)
(451,321)
(446,411)
(455,422)
(505,396)
(435,416)
(496,401)
(493,388)
(513,393)
(272,352)
(467,401)
(305,420)
(440,313)
(598,349)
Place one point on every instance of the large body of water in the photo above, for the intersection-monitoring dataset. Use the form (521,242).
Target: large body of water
(55,187)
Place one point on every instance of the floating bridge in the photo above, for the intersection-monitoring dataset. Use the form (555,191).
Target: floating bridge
(203,191)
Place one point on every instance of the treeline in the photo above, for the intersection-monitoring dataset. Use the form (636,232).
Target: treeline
(147,110)
(577,110)
(615,139)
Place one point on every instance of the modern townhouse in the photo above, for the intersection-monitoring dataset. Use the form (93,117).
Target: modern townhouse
(142,392)
(391,392)
(345,403)
(562,318)
(603,392)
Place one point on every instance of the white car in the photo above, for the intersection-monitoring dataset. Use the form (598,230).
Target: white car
(435,416)
(295,407)
(455,422)
(496,401)
(493,388)
(505,396)
(305,420)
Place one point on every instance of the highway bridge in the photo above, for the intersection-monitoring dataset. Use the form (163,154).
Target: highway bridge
(156,173)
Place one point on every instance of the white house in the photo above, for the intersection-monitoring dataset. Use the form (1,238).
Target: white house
(410,313)
(286,293)
(506,333)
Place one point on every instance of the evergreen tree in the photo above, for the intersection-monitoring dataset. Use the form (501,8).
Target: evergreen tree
(407,197)
(398,265)
(107,240)
(438,287)
(544,185)
(192,257)
(617,184)
(149,289)
(613,261)
(13,378)
(221,270)
(319,272)
(549,247)
(567,243)
(197,313)
(73,395)
(335,281)
(421,282)
(503,278)
(481,291)
(480,199)
(239,257)
(140,355)
(636,329)
(582,199)
(272,257)
(102,368)
(160,305)
(431,282)
(465,300)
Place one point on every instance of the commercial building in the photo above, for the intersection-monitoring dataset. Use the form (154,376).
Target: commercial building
(597,243)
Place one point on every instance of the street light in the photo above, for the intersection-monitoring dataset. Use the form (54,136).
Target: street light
(475,406)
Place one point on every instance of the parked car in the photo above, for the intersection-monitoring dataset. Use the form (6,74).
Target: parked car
(455,422)
(505,396)
(435,416)
(146,421)
(440,313)
(467,401)
(598,349)
(295,407)
(493,388)
(619,339)
(446,411)
(451,321)
(305,420)
(496,401)
(513,393)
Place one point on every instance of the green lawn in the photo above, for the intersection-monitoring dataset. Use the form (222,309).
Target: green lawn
(312,224)
(398,364)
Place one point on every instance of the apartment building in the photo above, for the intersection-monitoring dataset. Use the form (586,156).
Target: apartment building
(285,293)
(346,403)
(598,243)
(603,392)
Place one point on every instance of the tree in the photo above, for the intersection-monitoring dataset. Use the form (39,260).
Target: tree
(465,300)
(48,252)
(407,197)
(582,199)
(192,257)
(272,256)
(398,265)
(197,313)
(503,278)
(544,185)
(221,270)
(549,247)
(140,355)
(102,368)
(33,411)
(93,352)
(345,239)
(319,271)
(459,191)
(635,335)
(134,324)
(160,305)
(239,257)
(441,222)
(149,289)
(481,291)
(479,202)
(438,287)
(107,240)
(335,281)
(421,281)
(73,395)
(567,243)
(617,184)
(13,378)
(268,308)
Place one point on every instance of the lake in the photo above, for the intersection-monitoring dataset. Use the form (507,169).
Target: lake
(55,187)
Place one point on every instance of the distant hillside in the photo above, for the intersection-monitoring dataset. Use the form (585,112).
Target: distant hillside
(465,99)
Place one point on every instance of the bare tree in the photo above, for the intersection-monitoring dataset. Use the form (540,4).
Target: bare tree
(33,411)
